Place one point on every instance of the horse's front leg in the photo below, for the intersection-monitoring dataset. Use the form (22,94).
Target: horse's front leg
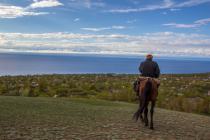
(151,114)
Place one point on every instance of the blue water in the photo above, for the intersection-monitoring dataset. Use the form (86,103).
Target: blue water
(22,64)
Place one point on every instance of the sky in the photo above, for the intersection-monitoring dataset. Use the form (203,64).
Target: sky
(118,27)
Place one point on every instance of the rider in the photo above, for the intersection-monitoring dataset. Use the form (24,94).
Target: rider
(148,68)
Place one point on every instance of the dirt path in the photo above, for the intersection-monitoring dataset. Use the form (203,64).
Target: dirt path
(47,118)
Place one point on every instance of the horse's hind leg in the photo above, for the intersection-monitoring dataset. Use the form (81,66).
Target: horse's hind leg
(145,115)
(151,114)
(138,113)
(141,117)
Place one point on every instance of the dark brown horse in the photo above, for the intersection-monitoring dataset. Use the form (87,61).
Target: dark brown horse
(148,92)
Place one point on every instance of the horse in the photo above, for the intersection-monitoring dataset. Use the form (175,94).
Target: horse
(148,92)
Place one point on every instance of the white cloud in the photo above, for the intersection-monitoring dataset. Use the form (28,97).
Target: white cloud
(2,40)
(86,4)
(118,27)
(11,11)
(164,13)
(76,19)
(181,25)
(97,4)
(132,21)
(104,28)
(174,9)
(203,21)
(166,4)
(45,3)
(96,29)
(195,24)
(161,43)
(191,3)
(7,11)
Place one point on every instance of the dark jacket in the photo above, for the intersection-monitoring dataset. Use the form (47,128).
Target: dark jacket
(149,68)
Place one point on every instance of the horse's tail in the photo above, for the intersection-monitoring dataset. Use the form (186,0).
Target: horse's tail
(146,93)
(144,98)
(148,88)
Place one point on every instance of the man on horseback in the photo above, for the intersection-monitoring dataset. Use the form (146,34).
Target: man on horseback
(146,89)
(149,68)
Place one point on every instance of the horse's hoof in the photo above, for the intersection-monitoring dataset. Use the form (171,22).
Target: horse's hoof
(135,119)
(142,119)
(151,127)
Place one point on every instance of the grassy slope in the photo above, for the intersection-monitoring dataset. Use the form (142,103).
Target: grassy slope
(184,92)
(59,118)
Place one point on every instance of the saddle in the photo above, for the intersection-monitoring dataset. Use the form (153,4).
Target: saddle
(155,85)
(141,78)
(139,84)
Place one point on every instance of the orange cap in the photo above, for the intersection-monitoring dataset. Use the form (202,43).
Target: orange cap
(149,56)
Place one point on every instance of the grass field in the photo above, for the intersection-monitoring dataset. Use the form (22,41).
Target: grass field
(64,118)
(183,92)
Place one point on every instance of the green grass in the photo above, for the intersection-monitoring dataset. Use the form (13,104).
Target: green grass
(182,92)
(62,110)
(80,115)
(80,118)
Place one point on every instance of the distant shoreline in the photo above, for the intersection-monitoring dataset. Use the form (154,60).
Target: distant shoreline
(32,64)
(181,57)
(102,74)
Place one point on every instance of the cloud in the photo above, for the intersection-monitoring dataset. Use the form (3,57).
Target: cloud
(118,27)
(202,21)
(103,28)
(166,4)
(164,13)
(96,29)
(195,24)
(11,11)
(86,4)
(174,9)
(8,11)
(160,43)
(191,3)
(76,19)
(97,4)
(175,25)
(45,3)
(132,21)
(2,40)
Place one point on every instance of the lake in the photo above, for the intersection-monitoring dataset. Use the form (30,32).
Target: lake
(23,64)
